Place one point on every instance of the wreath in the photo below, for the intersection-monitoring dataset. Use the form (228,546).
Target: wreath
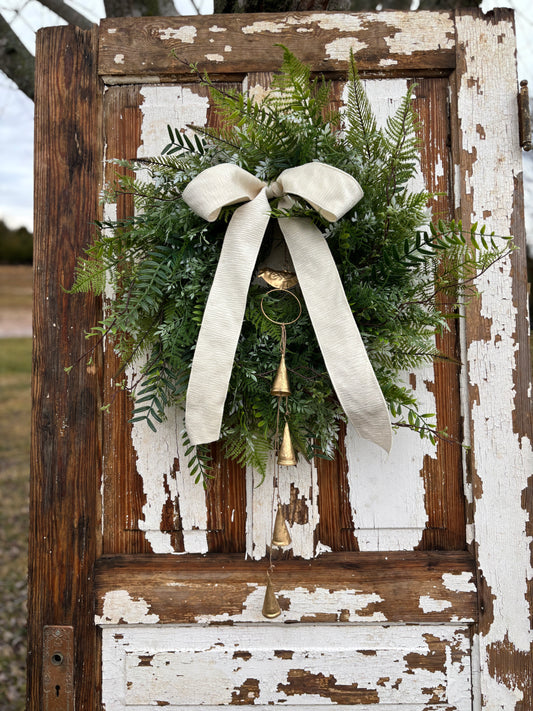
(394,263)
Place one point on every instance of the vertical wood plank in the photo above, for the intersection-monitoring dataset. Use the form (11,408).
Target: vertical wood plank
(123,496)
(443,478)
(488,171)
(66,438)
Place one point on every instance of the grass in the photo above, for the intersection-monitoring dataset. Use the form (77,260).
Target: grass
(15,370)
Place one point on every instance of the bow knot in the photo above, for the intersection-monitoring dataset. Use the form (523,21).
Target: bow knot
(274,189)
(332,193)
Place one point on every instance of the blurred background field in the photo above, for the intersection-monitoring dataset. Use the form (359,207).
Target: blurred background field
(15,372)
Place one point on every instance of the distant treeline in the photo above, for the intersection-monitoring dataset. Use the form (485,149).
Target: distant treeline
(16,246)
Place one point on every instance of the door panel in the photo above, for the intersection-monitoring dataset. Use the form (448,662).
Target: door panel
(305,666)
(411,499)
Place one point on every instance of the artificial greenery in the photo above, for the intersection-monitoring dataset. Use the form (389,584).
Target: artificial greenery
(393,262)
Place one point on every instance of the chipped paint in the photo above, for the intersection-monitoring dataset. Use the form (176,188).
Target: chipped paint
(216,28)
(419,39)
(387,492)
(302,478)
(119,59)
(214,57)
(340,48)
(501,457)
(173,105)
(185,34)
(301,604)
(429,604)
(277,664)
(119,607)
(461,582)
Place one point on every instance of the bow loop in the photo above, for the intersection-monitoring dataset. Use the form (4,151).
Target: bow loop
(332,193)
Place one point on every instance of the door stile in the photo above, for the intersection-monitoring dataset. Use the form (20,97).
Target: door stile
(496,373)
(64,539)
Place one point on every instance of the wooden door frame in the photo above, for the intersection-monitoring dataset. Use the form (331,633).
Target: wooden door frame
(72,68)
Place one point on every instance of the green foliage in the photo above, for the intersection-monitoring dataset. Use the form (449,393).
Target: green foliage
(393,262)
(16,246)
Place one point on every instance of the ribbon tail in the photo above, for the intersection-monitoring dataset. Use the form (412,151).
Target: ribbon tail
(222,321)
(342,347)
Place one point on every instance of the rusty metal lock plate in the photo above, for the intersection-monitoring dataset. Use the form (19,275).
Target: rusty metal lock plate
(58,668)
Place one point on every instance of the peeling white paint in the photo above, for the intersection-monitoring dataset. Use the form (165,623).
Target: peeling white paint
(340,48)
(214,57)
(119,59)
(303,481)
(186,34)
(459,582)
(387,492)
(173,105)
(228,48)
(254,664)
(430,604)
(263,26)
(502,460)
(119,607)
(486,107)
(216,28)
(419,39)
(387,62)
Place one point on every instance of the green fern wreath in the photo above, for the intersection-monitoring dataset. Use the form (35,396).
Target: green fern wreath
(392,261)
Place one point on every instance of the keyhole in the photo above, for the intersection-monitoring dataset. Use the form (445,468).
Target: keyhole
(57,689)
(57,659)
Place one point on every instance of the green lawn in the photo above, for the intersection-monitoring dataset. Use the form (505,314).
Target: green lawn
(15,369)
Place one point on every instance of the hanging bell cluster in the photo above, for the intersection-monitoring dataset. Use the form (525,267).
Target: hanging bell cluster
(281,388)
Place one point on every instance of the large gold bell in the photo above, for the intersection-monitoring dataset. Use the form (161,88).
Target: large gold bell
(280,386)
(271,606)
(286,456)
(280,536)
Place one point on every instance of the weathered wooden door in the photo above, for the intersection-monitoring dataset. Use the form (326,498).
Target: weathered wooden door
(409,579)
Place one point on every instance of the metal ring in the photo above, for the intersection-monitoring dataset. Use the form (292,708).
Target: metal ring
(281,323)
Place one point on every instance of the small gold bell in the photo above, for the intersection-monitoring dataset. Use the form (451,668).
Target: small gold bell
(280,386)
(280,536)
(286,456)
(271,606)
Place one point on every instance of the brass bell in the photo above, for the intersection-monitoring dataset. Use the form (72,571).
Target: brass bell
(286,456)
(280,536)
(271,606)
(280,386)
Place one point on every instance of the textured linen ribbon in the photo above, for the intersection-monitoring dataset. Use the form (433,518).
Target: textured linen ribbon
(331,192)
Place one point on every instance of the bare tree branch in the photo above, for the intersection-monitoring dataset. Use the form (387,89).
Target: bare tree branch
(15,60)
(67,13)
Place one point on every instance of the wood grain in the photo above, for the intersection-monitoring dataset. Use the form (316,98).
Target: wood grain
(398,587)
(66,437)
(163,47)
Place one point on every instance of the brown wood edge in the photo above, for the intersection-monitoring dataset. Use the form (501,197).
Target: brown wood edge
(66,422)
(415,587)
(140,47)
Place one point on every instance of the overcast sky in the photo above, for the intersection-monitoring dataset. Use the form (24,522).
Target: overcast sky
(16,111)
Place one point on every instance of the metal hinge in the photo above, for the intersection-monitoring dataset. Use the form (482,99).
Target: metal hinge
(58,668)
(524,116)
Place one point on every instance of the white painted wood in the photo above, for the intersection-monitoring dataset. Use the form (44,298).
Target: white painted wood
(301,479)
(396,667)
(502,459)
(387,492)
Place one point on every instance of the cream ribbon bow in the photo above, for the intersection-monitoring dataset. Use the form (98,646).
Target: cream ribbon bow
(331,192)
